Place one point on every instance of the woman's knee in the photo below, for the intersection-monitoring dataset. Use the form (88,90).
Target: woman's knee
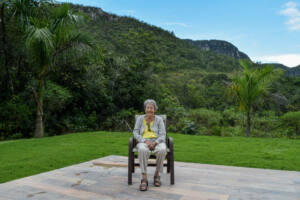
(161,151)
(162,148)
(143,150)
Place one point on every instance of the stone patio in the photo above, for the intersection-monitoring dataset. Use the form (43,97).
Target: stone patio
(106,179)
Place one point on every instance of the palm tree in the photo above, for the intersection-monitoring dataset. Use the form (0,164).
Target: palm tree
(46,38)
(250,86)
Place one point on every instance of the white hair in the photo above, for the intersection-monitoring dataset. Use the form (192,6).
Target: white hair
(150,101)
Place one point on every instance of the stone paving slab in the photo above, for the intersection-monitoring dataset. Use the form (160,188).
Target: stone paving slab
(106,179)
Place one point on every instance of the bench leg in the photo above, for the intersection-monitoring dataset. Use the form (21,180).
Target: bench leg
(129,170)
(168,163)
(132,163)
(172,178)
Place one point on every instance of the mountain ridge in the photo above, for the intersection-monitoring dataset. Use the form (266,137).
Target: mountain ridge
(289,71)
(218,47)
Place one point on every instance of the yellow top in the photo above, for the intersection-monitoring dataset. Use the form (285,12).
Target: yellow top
(149,134)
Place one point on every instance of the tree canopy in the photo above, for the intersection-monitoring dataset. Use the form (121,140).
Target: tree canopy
(74,68)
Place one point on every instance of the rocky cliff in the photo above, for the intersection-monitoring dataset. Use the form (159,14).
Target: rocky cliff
(220,47)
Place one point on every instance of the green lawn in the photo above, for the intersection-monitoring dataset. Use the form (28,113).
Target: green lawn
(20,158)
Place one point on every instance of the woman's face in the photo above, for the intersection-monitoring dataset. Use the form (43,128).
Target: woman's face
(149,110)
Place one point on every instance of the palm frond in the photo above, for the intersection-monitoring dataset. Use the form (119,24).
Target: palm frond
(65,19)
(22,10)
(252,83)
(75,40)
(39,40)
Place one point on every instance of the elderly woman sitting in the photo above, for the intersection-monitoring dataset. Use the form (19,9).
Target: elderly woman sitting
(150,133)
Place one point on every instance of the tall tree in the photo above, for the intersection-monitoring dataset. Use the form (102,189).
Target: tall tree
(250,86)
(46,38)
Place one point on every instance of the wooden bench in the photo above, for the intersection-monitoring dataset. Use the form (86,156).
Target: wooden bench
(132,154)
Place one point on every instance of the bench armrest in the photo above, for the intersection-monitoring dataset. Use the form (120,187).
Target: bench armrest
(170,143)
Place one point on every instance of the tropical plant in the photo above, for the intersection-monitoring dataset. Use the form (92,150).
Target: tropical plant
(250,86)
(46,38)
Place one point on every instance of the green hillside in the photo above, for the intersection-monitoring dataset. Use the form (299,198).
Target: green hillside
(125,36)
(100,71)
(175,62)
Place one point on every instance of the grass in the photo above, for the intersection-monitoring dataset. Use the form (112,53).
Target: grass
(20,158)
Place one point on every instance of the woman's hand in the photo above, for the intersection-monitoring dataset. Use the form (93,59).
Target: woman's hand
(151,145)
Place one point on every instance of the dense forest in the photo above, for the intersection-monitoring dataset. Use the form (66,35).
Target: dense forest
(68,68)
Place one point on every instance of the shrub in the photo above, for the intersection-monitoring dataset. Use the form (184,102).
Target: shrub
(205,117)
(292,121)
(15,119)
(265,124)
(203,131)
(73,123)
(232,131)
(121,121)
(56,97)
(189,127)
(232,117)
(215,130)
(92,121)
(176,114)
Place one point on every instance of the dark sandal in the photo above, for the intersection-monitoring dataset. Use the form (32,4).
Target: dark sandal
(157,182)
(144,185)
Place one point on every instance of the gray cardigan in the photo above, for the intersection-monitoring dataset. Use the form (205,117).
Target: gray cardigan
(158,127)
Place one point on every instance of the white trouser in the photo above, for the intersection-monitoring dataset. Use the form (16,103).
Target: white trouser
(144,153)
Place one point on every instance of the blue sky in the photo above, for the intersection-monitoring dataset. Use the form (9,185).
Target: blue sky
(266,30)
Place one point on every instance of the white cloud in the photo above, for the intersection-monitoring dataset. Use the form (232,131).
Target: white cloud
(175,24)
(290,60)
(293,14)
